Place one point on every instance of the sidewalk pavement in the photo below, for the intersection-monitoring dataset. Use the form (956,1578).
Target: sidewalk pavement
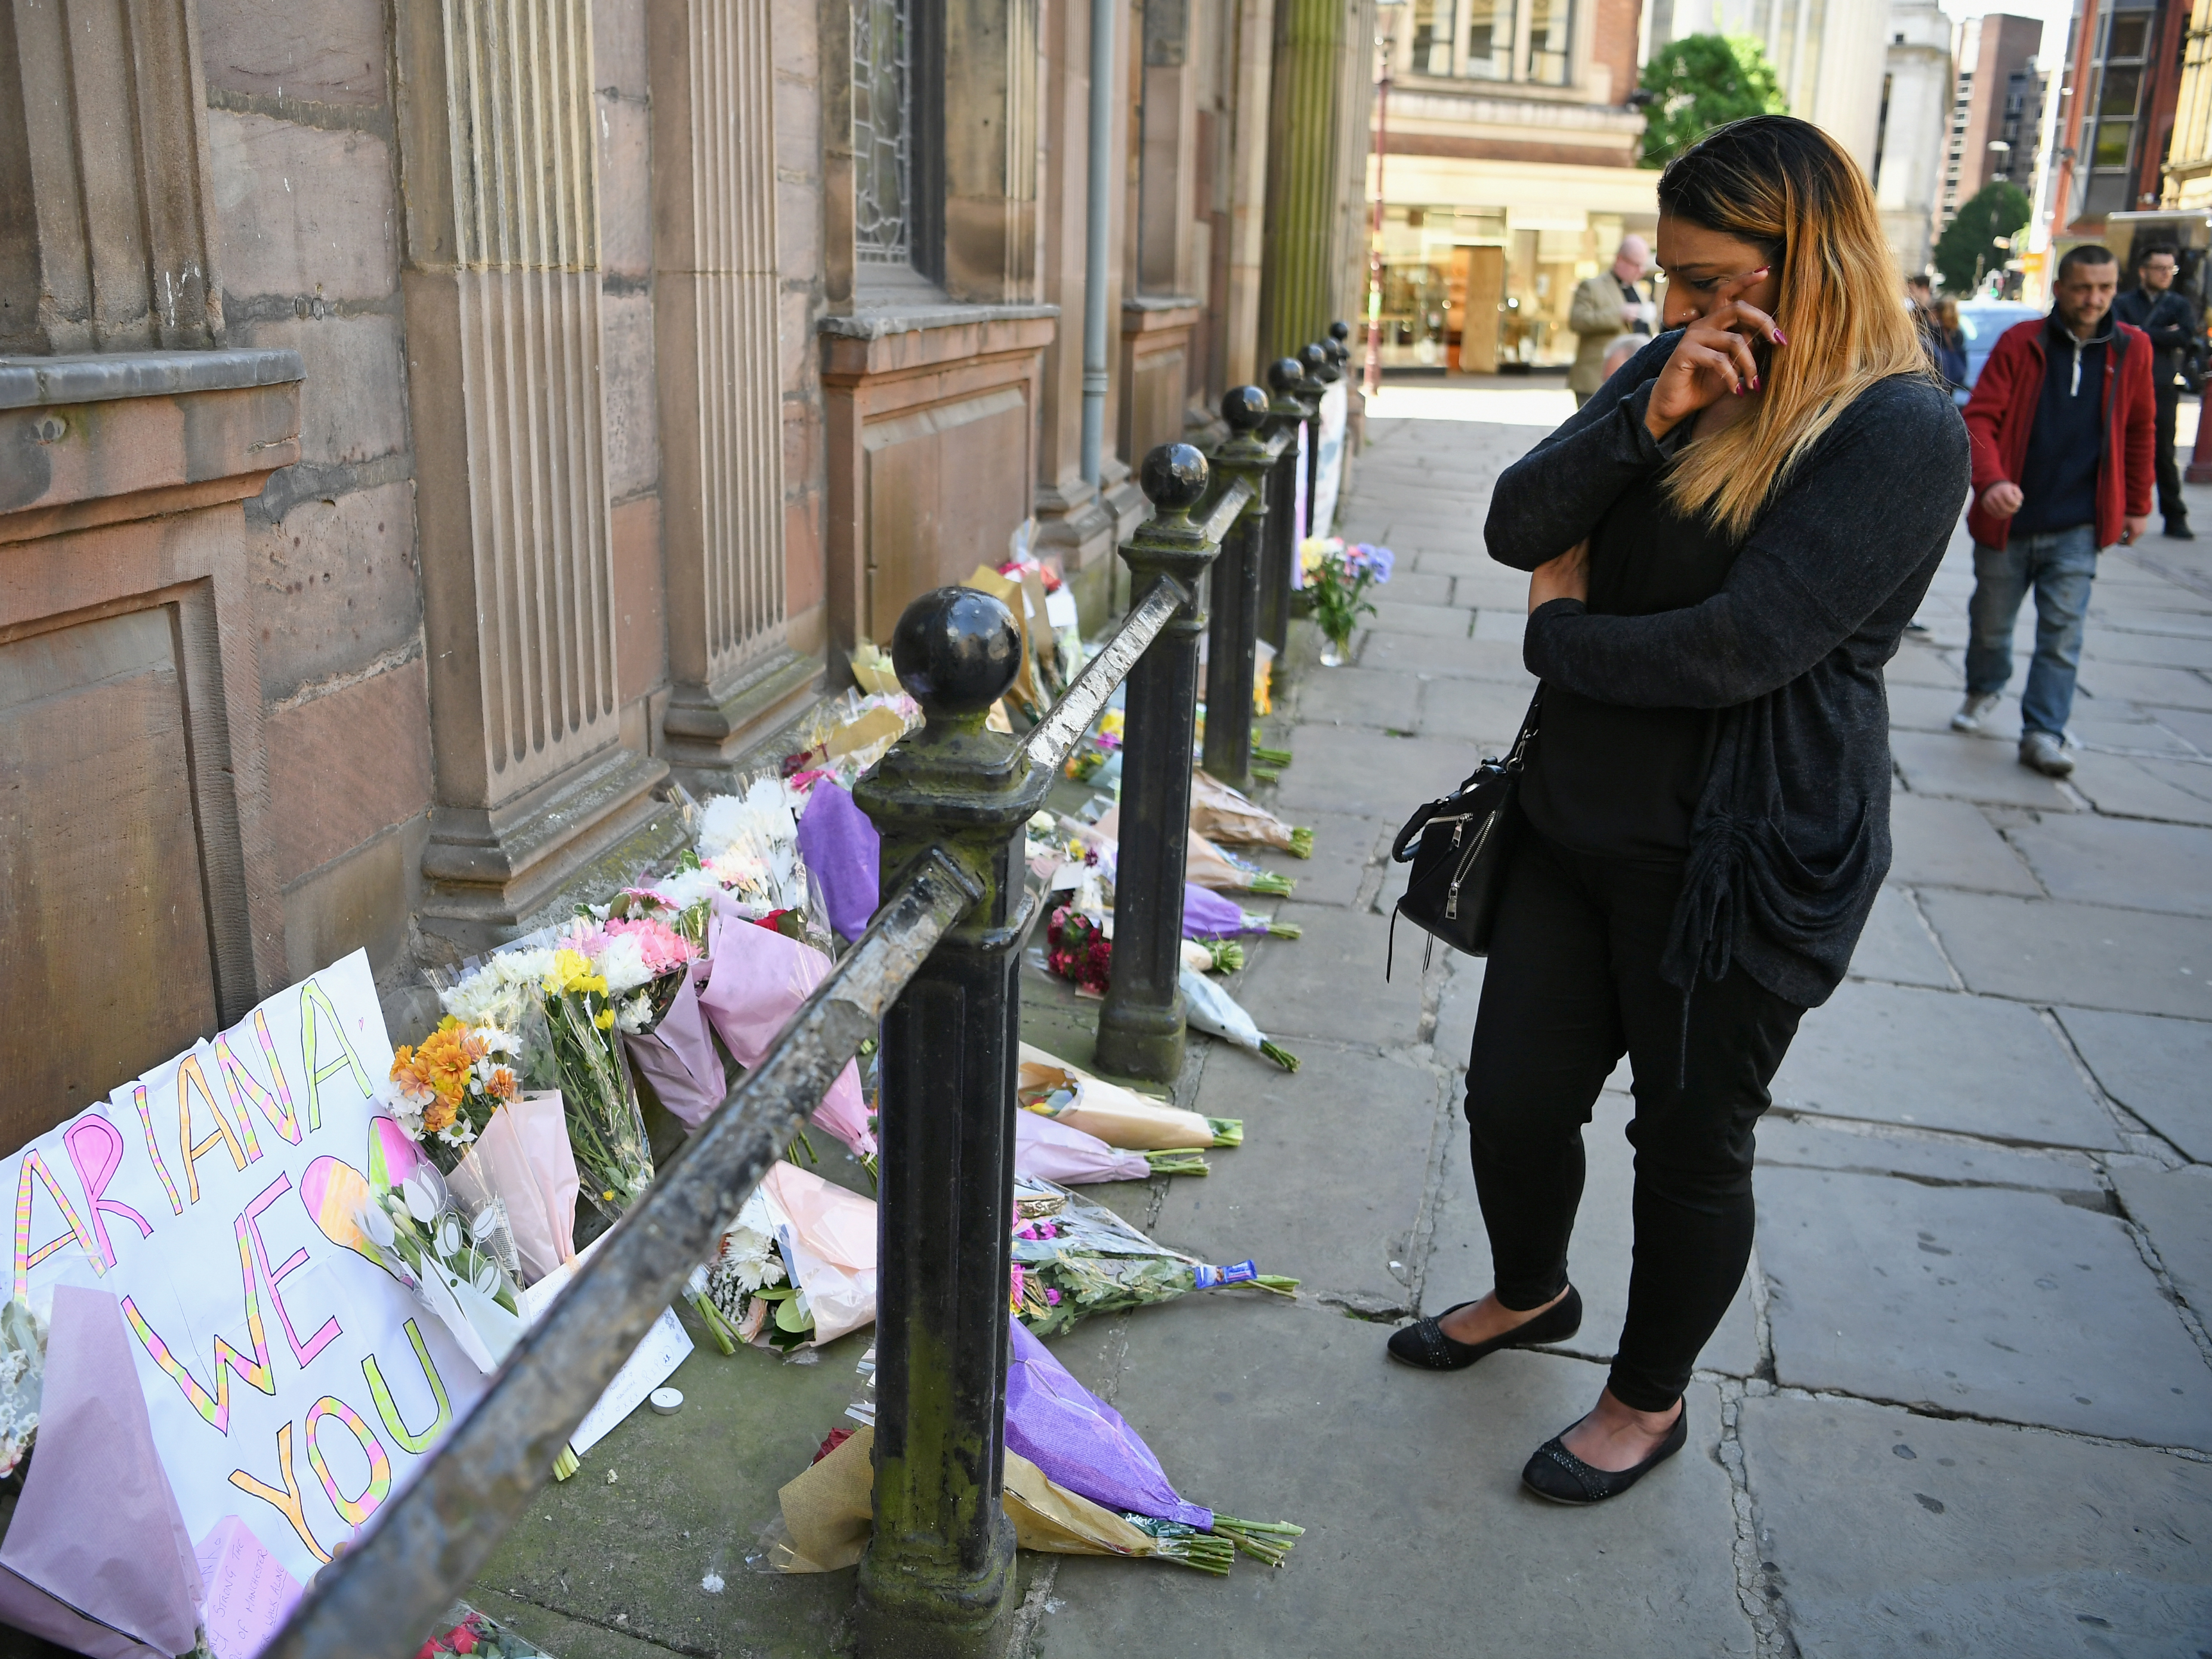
(1961,1408)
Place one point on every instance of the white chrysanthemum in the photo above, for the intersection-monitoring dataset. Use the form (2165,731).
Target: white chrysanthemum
(620,962)
(687,888)
(635,1014)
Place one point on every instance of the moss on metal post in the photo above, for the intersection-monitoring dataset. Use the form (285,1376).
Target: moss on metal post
(1233,625)
(1140,1029)
(938,1573)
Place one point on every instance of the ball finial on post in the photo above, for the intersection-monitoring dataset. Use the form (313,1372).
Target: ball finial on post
(1173,477)
(956,650)
(1339,330)
(1313,358)
(1244,407)
(1285,373)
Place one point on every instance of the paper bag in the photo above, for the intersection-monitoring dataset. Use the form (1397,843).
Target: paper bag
(97,1557)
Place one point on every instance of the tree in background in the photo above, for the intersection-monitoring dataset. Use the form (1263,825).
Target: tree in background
(1968,249)
(1701,82)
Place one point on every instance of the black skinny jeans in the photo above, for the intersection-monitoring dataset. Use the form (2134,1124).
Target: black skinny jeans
(1573,982)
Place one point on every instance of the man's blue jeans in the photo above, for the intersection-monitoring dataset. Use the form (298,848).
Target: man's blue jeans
(2060,565)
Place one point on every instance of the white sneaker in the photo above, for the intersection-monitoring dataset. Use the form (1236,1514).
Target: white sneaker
(1972,712)
(2046,754)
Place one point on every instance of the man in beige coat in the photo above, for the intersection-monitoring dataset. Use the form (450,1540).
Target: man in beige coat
(1608,306)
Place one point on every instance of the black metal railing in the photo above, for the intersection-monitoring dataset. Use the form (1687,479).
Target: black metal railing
(936,974)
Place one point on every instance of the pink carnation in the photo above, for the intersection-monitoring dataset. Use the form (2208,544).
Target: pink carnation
(666,950)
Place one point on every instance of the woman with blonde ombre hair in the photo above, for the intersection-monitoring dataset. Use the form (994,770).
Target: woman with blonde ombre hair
(1725,542)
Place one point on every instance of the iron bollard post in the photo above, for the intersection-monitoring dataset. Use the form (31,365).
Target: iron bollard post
(1233,625)
(1285,412)
(937,1576)
(1140,1029)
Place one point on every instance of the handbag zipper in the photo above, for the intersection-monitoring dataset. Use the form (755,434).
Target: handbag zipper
(1451,899)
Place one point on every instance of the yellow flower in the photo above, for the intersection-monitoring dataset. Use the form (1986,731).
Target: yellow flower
(1311,552)
(569,967)
(604,1019)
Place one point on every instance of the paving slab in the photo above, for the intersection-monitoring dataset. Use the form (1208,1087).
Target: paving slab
(1408,1483)
(1599,1255)
(1981,1302)
(1329,982)
(1357,696)
(1408,587)
(1501,622)
(1343,848)
(1897,946)
(2136,787)
(2194,725)
(630,1556)
(1939,1060)
(1327,1186)
(1919,664)
(1473,659)
(1441,621)
(2176,688)
(1901,1537)
(1350,770)
(1785,1138)
(2159,1069)
(1973,769)
(2100,861)
(1484,711)
(2111,645)
(2174,1206)
(1949,843)
(2081,954)
(1496,588)
(1929,707)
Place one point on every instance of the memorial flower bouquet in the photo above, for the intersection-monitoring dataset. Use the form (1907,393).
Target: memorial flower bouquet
(447,1086)
(1336,575)
(1072,1257)
(460,1267)
(1077,950)
(605,1128)
(23,1379)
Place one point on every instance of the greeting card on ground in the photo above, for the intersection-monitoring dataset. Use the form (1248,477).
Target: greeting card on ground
(249,1593)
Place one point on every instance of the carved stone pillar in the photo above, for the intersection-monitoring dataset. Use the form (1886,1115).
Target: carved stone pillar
(714,338)
(501,283)
(103,179)
(990,150)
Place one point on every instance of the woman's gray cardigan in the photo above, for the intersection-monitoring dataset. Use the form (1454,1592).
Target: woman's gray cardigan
(1790,839)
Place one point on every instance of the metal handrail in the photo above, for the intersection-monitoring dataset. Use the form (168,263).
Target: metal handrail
(428,1543)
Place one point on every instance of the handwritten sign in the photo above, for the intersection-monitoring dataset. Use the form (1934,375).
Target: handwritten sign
(249,1593)
(290,1381)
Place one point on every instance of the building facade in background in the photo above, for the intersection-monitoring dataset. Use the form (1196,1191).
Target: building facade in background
(436,428)
(1508,173)
(1995,115)
(1913,131)
(1828,55)
(2112,122)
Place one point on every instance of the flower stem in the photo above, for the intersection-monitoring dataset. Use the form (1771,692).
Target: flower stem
(1270,883)
(1185,1162)
(1227,1131)
(1263,1540)
(1282,1056)
(1301,842)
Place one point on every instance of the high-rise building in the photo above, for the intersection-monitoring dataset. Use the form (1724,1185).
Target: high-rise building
(1827,54)
(2114,120)
(1910,138)
(1997,101)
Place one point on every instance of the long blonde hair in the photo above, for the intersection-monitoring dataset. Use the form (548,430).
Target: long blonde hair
(1785,185)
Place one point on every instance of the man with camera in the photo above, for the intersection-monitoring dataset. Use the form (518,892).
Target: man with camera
(2170,320)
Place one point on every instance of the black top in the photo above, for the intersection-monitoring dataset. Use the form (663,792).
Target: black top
(2170,319)
(2066,442)
(1791,838)
(1604,777)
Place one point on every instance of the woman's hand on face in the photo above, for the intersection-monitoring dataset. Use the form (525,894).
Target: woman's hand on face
(1714,361)
(1566,577)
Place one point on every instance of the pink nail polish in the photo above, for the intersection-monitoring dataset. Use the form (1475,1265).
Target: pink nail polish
(1779,339)
(1754,383)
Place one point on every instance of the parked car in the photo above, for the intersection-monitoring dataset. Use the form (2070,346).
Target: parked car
(1981,321)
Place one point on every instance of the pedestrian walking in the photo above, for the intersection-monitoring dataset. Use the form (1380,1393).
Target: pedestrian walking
(1726,543)
(1946,342)
(1606,306)
(2062,420)
(2171,321)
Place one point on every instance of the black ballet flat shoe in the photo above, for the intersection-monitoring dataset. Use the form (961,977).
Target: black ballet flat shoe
(1556,1473)
(1424,1344)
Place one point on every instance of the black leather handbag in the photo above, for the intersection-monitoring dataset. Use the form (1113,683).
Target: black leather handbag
(1459,848)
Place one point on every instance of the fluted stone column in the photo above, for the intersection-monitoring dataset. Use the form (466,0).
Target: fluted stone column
(715,368)
(501,285)
(1302,269)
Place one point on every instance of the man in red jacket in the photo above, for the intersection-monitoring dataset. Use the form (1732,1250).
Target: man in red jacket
(2063,420)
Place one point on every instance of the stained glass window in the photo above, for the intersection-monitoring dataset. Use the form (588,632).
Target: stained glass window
(882,220)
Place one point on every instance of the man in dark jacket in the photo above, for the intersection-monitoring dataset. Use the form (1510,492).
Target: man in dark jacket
(2170,320)
(2061,422)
